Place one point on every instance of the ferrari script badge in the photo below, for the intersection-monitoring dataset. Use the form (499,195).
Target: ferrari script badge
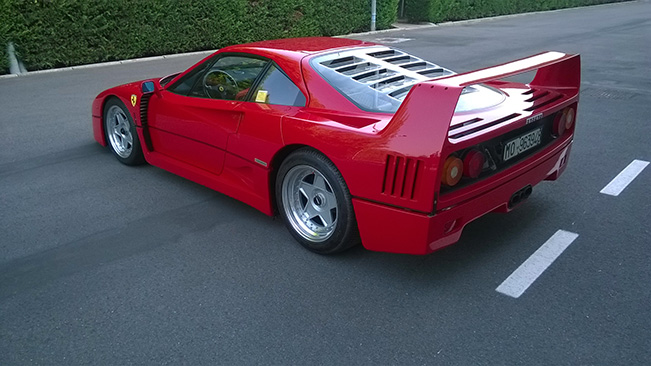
(134,99)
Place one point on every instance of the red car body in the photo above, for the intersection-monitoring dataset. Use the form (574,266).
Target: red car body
(392,163)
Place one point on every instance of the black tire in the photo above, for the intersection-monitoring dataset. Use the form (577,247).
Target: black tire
(120,133)
(323,219)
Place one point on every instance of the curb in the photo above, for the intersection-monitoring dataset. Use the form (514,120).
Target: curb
(397,29)
(110,63)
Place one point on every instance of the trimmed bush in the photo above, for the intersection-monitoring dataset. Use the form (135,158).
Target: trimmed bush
(58,33)
(437,11)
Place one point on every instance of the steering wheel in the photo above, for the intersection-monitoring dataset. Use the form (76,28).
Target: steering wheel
(218,84)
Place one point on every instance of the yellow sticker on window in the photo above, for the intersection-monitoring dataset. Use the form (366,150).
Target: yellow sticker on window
(261,97)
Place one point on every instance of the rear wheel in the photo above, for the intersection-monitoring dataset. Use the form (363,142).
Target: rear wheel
(315,203)
(121,133)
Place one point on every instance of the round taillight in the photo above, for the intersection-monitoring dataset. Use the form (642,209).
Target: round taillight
(473,163)
(452,171)
(569,118)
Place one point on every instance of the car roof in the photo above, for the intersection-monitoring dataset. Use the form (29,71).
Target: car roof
(303,46)
(288,54)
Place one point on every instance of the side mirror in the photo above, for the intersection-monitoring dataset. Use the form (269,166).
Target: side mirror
(148,87)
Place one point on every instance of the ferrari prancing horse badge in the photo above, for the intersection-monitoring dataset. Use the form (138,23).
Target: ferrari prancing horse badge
(134,99)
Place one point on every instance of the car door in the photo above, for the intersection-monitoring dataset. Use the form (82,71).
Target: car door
(191,120)
(259,134)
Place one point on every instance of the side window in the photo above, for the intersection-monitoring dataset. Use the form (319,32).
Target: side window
(185,83)
(276,88)
(229,78)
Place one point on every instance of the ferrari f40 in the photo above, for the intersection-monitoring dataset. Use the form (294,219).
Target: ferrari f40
(350,141)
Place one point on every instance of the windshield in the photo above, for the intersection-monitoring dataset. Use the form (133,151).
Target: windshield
(377,79)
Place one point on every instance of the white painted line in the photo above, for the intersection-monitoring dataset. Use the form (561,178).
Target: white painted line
(623,179)
(520,280)
(391,40)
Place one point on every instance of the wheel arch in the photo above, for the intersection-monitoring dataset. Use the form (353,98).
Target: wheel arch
(278,160)
(346,233)
(99,115)
(135,156)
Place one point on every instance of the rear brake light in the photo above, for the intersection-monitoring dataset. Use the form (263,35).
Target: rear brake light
(452,171)
(473,163)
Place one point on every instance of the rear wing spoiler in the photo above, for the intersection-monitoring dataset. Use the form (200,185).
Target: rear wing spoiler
(555,70)
(425,115)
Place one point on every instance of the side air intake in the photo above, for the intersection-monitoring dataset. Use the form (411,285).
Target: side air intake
(401,176)
(144,121)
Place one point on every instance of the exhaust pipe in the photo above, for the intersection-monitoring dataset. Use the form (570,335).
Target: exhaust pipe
(520,196)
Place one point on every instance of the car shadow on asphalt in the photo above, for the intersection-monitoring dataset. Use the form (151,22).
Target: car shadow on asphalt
(496,237)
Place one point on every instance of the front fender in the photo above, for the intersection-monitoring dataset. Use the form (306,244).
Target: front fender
(128,94)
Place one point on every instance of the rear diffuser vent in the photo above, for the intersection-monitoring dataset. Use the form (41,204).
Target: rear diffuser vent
(401,176)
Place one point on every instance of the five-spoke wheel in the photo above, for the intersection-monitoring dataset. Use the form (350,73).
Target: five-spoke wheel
(315,203)
(310,202)
(121,133)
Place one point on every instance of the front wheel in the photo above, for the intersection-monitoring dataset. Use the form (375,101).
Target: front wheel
(121,133)
(315,203)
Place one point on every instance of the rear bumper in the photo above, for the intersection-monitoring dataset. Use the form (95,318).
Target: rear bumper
(388,229)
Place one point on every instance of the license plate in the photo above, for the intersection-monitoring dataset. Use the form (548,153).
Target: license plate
(522,143)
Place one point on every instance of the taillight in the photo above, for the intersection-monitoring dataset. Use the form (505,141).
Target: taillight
(564,121)
(452,171)
(473,163)
(569,118)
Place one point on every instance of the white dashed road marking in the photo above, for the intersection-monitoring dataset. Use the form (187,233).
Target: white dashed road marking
(623,179)
(518,282)
(391,40)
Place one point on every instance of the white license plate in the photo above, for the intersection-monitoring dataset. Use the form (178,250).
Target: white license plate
(522,143)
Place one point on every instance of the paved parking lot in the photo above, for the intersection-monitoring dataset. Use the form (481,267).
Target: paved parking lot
(106,264)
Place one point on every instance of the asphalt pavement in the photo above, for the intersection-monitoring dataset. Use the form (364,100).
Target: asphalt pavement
(106,264)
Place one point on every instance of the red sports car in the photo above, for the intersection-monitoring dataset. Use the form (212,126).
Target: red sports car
(351,141)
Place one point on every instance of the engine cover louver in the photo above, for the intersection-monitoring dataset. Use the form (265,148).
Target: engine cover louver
(476,125)
(541,98)
(401,176)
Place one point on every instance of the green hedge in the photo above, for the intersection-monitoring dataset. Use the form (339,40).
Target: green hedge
(57,33)
(447,10)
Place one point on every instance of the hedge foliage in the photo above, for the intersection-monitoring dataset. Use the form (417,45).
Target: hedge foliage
(57,33)
(448,10)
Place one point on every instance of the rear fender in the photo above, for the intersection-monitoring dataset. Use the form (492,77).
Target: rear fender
(389,162)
